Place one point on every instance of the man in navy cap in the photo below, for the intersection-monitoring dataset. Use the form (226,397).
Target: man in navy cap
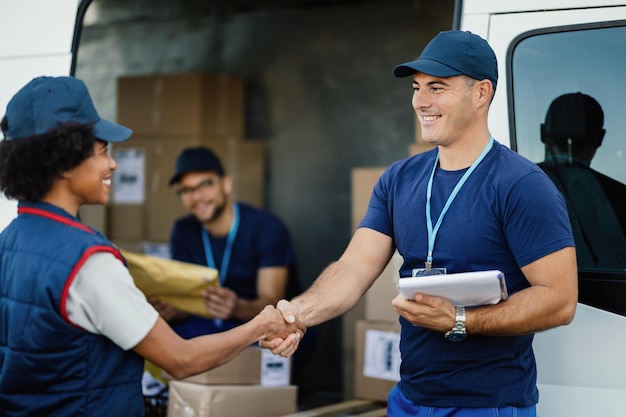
(74,328)
(470,204)
(250,247)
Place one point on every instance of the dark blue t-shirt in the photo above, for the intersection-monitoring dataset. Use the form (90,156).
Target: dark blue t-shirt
(507,215)
(262,241)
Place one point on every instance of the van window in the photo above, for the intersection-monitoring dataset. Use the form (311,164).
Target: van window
(568,89)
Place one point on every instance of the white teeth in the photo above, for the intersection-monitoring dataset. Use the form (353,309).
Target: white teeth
(429,118)
(106,181)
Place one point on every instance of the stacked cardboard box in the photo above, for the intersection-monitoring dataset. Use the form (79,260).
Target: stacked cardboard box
(189,399)
(377,331)
(377,367)
(152,217)
(191,103)
(169,113)
(256,375)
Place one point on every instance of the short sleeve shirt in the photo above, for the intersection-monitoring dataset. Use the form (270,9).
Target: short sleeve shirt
(507,215)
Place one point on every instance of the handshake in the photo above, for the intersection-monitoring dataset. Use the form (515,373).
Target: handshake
(280,328)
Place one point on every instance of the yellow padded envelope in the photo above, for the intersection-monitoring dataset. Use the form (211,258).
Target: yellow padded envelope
(177,283)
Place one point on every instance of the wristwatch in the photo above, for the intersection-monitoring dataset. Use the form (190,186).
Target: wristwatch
(458,332)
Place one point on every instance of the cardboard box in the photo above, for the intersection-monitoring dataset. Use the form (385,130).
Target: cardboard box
(354,407)
(377,364)
(94,216)
(245,368)
(191,103)
(378,298)
(147,162)
(126,222)
(253,366)
(363,181)
(189,399)
(130,245)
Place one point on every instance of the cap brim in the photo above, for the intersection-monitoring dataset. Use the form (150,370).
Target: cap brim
(175,179)
(111,132)
(427,66)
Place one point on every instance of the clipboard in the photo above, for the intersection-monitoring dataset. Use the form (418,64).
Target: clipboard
(465,289)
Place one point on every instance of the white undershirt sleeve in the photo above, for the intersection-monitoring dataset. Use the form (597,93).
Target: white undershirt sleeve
(103,299)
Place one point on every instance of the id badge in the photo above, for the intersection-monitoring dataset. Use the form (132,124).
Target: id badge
(422,272)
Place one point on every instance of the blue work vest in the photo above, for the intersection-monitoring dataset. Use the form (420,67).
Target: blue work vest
(48,366)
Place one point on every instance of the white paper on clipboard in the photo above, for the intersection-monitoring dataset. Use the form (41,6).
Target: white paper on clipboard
(463,289)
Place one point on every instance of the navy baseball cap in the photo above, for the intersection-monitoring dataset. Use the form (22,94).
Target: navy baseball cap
(200,159)
(451,53)
(46,102)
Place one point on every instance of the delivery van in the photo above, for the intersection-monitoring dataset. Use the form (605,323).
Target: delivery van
(545,50)
(571,50)
(37,38)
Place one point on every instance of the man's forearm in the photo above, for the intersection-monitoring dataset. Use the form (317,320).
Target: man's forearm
(528,311)
(334,292)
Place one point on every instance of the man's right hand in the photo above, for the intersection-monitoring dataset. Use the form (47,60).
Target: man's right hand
(285,346)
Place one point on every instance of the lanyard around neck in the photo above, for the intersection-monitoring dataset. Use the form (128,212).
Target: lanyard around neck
(432,232)
(208,251)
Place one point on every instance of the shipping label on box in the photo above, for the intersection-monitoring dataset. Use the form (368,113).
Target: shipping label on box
(275,370)
(382,355)
(129,177)
(377,363)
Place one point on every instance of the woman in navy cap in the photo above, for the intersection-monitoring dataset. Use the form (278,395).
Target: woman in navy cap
(74,329)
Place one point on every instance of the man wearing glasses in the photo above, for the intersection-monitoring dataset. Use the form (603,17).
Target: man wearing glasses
(251,248)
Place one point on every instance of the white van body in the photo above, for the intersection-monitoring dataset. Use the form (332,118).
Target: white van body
(36,40)
(581,366)
(500,22)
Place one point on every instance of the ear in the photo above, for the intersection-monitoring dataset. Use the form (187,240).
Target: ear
(485,92)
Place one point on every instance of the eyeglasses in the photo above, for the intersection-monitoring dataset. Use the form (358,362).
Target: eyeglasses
(185,192)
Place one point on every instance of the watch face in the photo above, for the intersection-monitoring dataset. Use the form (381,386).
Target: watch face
(456,336)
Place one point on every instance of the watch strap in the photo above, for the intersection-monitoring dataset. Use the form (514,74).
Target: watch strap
(458,331)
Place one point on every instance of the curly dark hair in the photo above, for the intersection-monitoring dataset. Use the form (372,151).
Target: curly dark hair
(29,166)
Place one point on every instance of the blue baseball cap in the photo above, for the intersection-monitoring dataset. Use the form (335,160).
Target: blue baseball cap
(451,53)
(199,159)
(46,102)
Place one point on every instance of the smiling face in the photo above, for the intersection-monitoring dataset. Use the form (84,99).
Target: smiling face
(90,182)
(444,107)
(205,194)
